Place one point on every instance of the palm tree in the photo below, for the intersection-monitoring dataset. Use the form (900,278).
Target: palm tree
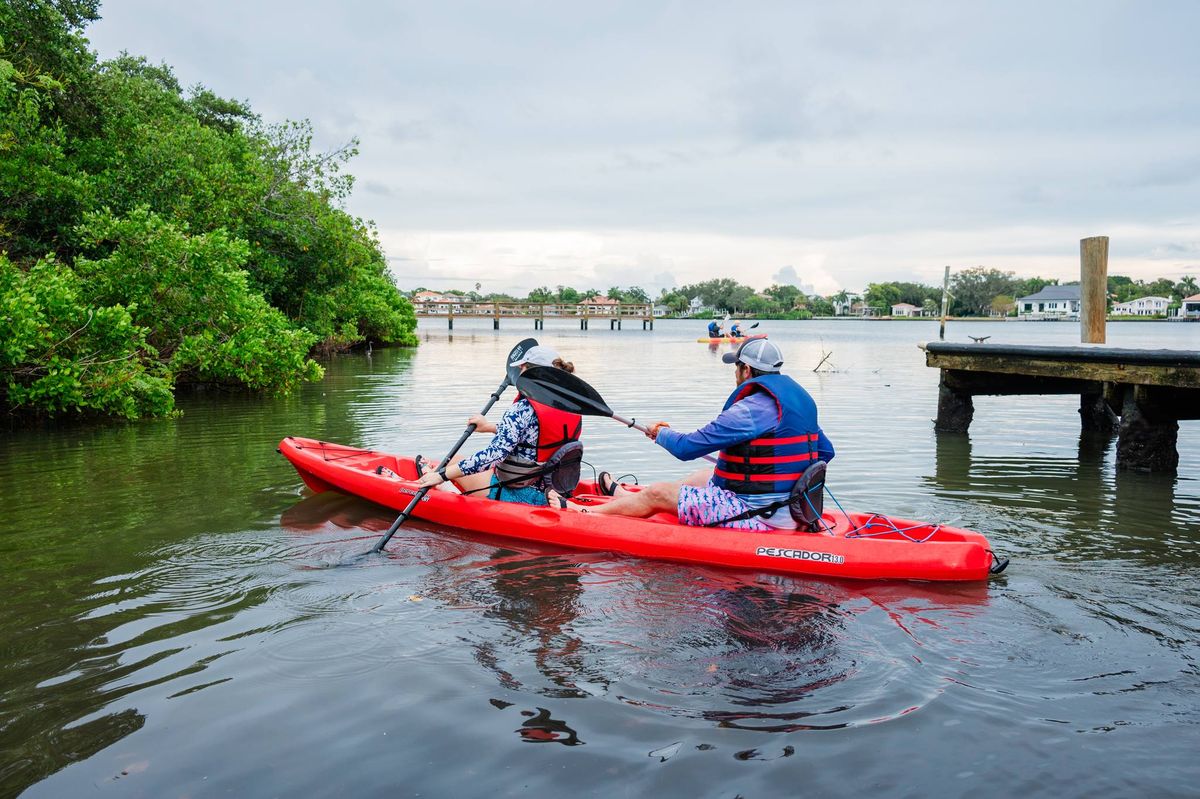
(1187,286)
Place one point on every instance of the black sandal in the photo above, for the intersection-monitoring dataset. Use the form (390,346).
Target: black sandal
(609,489)
(562,501)
(419,462)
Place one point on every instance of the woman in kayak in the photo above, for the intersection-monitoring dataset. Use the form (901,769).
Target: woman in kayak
(714,329)
(526,436)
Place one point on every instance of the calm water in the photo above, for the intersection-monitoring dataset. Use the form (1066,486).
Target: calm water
(175,624)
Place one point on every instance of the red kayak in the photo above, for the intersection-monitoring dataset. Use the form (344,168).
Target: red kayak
(858,545)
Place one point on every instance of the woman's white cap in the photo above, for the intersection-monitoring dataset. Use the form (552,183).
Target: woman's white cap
(537,356)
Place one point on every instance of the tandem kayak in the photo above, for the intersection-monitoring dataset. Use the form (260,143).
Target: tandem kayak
(857,545)
(728,339)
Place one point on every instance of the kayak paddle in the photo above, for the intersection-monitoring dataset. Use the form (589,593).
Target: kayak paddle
(562,390)
(510,376)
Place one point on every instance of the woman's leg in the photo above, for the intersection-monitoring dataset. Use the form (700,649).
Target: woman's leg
(471,482)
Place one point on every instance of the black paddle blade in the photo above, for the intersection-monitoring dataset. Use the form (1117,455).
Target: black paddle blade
(517,351)
(552,386)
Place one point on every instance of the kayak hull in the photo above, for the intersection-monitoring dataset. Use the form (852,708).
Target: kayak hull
(728,339)
(875,552)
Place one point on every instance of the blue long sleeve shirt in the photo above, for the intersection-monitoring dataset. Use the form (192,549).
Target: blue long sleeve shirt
(747,419)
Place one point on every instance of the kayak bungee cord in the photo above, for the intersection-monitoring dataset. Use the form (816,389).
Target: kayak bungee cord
(858,532)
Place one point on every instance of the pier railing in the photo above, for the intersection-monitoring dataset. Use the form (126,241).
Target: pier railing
(538,311)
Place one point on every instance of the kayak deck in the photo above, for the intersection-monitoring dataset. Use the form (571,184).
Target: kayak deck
(856,545)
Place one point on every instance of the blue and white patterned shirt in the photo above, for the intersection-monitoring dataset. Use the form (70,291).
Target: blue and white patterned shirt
(516,434)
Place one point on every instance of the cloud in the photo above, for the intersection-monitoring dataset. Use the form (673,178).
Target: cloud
(685,144)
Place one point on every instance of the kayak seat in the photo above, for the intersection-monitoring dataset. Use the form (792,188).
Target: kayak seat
(807,499)
(563,467)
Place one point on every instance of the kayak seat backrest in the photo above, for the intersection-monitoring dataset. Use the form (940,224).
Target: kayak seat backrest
(807,500)
(563,467)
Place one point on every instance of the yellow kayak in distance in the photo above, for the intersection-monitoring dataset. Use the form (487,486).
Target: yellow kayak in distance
(728,339)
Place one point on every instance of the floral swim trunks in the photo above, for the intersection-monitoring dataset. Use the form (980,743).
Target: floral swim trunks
(703,506)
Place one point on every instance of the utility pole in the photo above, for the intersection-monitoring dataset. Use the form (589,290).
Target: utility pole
(945,304)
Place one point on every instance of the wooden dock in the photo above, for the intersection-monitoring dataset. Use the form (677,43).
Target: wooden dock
(1142,393)
(539,312)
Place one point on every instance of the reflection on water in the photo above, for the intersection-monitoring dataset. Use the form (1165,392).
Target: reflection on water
(172,625)
(1077,506)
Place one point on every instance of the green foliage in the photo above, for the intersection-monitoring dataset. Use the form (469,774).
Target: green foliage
(222,238)
(62,351)
(972,290)
(882,296)
(190,292)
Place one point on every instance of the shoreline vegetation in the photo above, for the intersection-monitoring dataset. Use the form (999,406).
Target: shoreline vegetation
(977,293)
(153,237)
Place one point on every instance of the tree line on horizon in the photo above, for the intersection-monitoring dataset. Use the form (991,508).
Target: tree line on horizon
(153,236)
(977,291)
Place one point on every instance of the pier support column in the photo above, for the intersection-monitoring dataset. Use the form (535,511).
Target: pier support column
(1147,439)
(1094,414)
(955,408)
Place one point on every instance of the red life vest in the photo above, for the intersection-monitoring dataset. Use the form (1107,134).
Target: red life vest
(555,428)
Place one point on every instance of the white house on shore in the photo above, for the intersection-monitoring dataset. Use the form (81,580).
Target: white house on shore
(1190,309)
(1052,302)
(1143,306)
(905,309)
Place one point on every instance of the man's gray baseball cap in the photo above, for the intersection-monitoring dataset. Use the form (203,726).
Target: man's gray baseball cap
(757,353)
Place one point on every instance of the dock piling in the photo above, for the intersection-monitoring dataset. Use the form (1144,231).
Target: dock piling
(1093,290)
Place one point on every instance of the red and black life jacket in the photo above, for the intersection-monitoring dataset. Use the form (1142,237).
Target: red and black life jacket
(555,428)
(772,463)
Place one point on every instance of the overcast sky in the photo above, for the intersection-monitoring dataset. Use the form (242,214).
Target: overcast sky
(519,144)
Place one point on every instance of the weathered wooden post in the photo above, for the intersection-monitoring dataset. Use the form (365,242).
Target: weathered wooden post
(495,316)
(1094,413)
(1093,291)
(450,317)
(945,304)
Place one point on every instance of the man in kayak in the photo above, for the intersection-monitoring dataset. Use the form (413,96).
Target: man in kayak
(526,437)
(714,329)
(735,330)
(766,436)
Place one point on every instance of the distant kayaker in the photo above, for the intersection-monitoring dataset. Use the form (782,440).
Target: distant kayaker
(767,435)
(714,329)
(735,330)
(524,439)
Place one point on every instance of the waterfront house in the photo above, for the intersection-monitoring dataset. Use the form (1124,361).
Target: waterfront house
(842,307)
(905,309)
(600,305)
(435,302)
(696,306)
(1190,309)
(661,310)
(1142,306)
(1052,302)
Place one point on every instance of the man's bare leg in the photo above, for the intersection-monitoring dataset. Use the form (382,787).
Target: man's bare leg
(652,499)
(698,478)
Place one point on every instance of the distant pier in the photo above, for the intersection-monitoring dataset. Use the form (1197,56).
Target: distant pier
(539,312)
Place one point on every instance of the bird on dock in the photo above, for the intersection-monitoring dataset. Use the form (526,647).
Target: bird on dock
(979,339)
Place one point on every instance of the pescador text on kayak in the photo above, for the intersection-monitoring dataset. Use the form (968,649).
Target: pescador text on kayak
(800,554)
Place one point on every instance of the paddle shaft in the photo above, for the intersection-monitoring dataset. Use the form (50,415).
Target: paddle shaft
(403,517)
(633,423)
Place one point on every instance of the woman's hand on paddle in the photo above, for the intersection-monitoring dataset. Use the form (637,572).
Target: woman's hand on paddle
(652,430)
(482,425)
(429,480)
